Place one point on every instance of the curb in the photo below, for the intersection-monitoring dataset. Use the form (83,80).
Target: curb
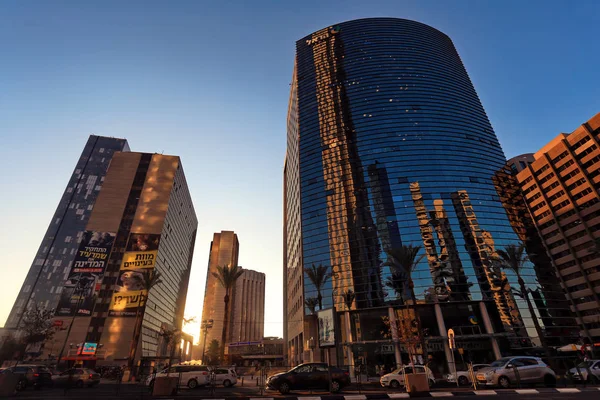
(393,396)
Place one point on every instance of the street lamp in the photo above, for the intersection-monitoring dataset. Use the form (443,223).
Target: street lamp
(205,326)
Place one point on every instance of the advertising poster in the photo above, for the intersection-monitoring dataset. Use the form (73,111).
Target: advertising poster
(326,326)
(139,257)
(84,280)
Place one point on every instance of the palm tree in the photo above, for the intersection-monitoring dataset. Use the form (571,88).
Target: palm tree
(397,282)
(311,303)
(318,276)
(402,262)
(513,258)
(148,279)
(227,276)
(349,297)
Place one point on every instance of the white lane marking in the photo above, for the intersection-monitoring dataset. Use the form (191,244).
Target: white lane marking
(526,391)
(440,394)
(356,397)
(398,395)
(568,390)
(301,397)
(485,392)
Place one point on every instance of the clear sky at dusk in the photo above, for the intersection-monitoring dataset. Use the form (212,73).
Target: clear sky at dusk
(209,81)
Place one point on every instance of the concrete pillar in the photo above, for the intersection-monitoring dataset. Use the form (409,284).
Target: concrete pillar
(394,329)
(444,332)
(349,353)
(489,329)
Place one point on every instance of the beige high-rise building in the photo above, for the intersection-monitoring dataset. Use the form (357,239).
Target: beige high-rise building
(248,312)
(224,250)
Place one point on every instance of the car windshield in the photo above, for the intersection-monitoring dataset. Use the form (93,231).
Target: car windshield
(585,364)
(500,363)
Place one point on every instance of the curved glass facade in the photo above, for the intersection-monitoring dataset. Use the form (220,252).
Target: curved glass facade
(394,148)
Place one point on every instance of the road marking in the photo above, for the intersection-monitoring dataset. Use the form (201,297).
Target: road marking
(356,397)
(301,397)
(568,390)
(440,394)
(485,392)
(398,395)
(526,391)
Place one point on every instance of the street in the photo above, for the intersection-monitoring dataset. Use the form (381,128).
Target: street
(111,390)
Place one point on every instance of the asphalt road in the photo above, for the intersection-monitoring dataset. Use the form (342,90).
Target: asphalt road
(110,390)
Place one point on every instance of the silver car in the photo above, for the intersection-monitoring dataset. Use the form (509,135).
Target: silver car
(508,371)
(582,371)
(464,377)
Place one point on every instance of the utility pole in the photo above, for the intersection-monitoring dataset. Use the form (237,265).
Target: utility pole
(205,326)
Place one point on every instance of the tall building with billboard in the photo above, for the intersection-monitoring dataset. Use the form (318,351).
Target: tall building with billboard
(388,145)
(143,222)
(57,252)
(561,191)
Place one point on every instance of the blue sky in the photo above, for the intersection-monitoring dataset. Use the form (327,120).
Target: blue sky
(209,81)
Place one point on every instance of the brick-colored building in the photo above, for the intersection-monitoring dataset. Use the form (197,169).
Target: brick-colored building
(560,188)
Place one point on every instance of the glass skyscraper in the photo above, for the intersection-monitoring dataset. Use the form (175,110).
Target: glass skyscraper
(389,145)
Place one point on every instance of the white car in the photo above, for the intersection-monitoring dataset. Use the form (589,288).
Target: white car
(395,379)
(224,376)
(580,373)
(191,376)
(464,378)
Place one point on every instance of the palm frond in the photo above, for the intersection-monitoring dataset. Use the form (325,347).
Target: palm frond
(228,275)
(318,275)
(512,257)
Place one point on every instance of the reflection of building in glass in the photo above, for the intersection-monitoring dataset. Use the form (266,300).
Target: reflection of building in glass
(561,191)
(375,105)
(553,307)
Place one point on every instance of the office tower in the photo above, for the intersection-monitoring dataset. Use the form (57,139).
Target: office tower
(143,222)
(224,251)
(247,320)
(554,310)
(388,145)
(561,193)
(58,249)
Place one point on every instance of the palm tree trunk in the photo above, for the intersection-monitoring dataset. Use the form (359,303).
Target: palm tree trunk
(320,298)
(134,341)
(225,323)
(536,323)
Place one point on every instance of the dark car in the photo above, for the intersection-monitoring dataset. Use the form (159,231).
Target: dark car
(77,377)
(309,376)
(37,376)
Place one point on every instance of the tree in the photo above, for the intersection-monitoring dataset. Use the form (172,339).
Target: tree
(227,276)
(147,280)
(349,297)
(513,258)
(214,353)
(37,325)
(318,276)
(171,337)
(311,303)
(402,262)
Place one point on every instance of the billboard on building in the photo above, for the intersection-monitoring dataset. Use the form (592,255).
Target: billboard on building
(85,277)
(326,326)
(139,258)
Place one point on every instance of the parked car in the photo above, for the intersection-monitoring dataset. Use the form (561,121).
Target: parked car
(580,373)
(309,376)
(225,376)
(191,376)
(77,377)
(395,379)
(37,376)
(464,377)
(8,383)
(506,371)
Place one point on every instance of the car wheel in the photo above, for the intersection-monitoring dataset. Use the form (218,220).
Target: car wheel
(335,386)
(394,384)
(549,381)
(79,384)
(503,382)
(463,381)
(284,388)
(21,385)
(192,384)
(226,383)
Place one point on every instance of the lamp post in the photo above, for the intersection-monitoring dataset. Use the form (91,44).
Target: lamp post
(205,326)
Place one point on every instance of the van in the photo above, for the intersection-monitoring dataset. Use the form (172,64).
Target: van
(191,376)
